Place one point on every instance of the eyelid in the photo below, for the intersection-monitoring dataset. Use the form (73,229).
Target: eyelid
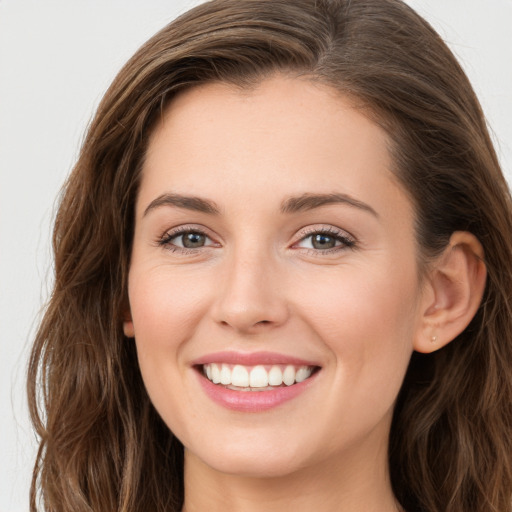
(324,228)
(348,241)
(165,239)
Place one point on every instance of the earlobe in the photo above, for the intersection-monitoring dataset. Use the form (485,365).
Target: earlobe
(126,315)
(128,328)
(455,285)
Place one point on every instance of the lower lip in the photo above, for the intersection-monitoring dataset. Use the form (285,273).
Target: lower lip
(253,401)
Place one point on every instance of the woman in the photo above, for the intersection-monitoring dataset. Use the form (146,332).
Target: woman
(283,276)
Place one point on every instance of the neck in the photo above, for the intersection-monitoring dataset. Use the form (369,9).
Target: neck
(340,484)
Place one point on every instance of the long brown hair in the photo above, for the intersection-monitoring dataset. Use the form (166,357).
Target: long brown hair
(103,447)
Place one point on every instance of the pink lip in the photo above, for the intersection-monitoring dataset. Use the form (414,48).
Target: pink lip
(251,359)
(252,401)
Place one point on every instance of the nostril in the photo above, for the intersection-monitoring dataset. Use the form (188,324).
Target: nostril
(259,323)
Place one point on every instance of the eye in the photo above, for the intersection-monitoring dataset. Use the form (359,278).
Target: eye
(326,240)
(186,238)
(191,240)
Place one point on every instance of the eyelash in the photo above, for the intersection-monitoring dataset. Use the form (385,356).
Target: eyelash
(166,240)
(346,241)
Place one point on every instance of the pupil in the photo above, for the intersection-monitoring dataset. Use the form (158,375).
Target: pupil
(323,241)
(193,240)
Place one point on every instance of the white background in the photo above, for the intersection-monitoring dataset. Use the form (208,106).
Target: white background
(57,58)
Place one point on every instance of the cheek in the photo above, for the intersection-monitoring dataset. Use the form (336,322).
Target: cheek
(367,318)
(379,295)
(367,322)
(165,305)
(166,308)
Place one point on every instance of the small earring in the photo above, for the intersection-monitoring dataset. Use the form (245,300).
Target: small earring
(433,339)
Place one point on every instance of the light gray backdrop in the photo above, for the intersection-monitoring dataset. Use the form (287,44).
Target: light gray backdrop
(57,57)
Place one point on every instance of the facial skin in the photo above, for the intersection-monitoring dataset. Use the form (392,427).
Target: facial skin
(259,284)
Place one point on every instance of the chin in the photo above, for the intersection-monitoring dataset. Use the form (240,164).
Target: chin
(245,461)
(256,468)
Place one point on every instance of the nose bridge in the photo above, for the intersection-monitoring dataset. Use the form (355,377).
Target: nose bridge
(250,296)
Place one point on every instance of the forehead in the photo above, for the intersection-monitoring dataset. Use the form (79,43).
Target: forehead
(281,104)
(284,136)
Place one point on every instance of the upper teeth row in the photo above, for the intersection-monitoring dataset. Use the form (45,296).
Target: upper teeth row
(257,376)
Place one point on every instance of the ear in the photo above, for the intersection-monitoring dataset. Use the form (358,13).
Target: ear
(128,328)
(454,288)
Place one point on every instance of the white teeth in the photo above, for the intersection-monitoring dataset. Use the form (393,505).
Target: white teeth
(225,375)
(289,375)
(215,373)
(275,376)
(302,374)
(239,376)
(257,377)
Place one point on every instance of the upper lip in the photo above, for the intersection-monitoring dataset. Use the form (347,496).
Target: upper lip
(252,359)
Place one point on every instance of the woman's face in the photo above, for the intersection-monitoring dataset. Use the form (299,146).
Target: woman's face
(273,242)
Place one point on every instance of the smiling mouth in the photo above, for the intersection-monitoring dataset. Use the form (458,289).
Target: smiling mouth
(256,378)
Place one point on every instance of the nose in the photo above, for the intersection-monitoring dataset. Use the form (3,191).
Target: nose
(250,297)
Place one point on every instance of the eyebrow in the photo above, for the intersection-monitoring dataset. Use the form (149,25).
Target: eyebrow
(306,202)
(293,204)
(187,202)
